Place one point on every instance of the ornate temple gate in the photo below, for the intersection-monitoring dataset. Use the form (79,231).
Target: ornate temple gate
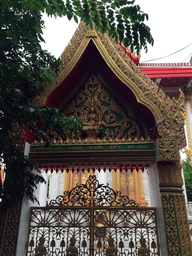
(128,122)
(92,219)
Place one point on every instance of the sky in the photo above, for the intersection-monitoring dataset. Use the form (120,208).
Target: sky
(171,27)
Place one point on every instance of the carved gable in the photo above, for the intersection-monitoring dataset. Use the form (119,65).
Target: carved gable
(103,118)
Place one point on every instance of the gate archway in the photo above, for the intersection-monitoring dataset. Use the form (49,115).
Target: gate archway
(93,219)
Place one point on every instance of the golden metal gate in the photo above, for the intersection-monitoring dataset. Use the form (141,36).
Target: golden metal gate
(92,220)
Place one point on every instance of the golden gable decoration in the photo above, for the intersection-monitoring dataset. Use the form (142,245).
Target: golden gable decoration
(144,89)
(102,117)
(172,126)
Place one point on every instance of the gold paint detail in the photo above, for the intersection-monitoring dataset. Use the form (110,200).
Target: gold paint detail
(10,220)
(90,215)
(172,126)
(170,176)
(142,86)
(171,225)
(171,189)
(68,60)
(124,181)
(173,201)
(16,135)
(145,90)
(89,194)
(182,219)
(91,34)
(66,181)
(130,184)
(176,224)
(132,193)
(167,150)
(73,179)
(141,189)
(101,159)
(103,119)
(101,115)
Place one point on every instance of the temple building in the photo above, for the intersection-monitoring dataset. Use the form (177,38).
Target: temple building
(116,187)
(172,77)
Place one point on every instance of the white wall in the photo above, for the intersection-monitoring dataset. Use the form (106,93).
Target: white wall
(41,194)
(189,115)
(156,202)
(146,187)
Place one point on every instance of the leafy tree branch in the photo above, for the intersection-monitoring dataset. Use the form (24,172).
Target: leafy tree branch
(25,68)
(187,169)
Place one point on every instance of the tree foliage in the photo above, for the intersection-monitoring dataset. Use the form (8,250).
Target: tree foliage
(122,19)
(187,169)
(25,68)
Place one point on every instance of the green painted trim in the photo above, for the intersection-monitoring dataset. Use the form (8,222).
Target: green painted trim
(95,148)
(171,226)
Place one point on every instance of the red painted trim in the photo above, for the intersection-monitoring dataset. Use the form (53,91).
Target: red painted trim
(167,72)
(135,59)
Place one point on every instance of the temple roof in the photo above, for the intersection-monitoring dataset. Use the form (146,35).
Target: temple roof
(119,66)
(165,65)
(169,75)
(90,51)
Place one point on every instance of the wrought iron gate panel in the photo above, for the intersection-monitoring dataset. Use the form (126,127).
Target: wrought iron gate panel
(126,227)
(92,220)
(52,229)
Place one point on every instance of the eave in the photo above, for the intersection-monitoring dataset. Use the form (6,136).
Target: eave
(155,73)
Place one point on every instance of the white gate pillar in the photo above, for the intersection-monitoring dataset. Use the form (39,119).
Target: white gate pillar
(156,202)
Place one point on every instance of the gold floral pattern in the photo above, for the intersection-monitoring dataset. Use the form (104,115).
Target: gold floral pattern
(176,224)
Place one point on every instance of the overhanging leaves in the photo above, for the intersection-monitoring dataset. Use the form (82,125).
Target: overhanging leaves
(25,68)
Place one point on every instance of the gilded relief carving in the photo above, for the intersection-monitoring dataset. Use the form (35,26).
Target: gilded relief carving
(17,134)
(149,89)
(167,150)
(175,215)
(170,175)
(173,123)
(105,121)
(9,244)
(132,184)
(141,189)
(144,89)
(125,182)
(171,225)
(77,45)
(184,234)
(176,224)
(102,117)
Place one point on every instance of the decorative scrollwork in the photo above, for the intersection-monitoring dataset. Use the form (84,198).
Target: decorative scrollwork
(104,119)
(167,150)
(92,194)
(92,219)
(173,125)
(10,228)
(176,224)
(102,116)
